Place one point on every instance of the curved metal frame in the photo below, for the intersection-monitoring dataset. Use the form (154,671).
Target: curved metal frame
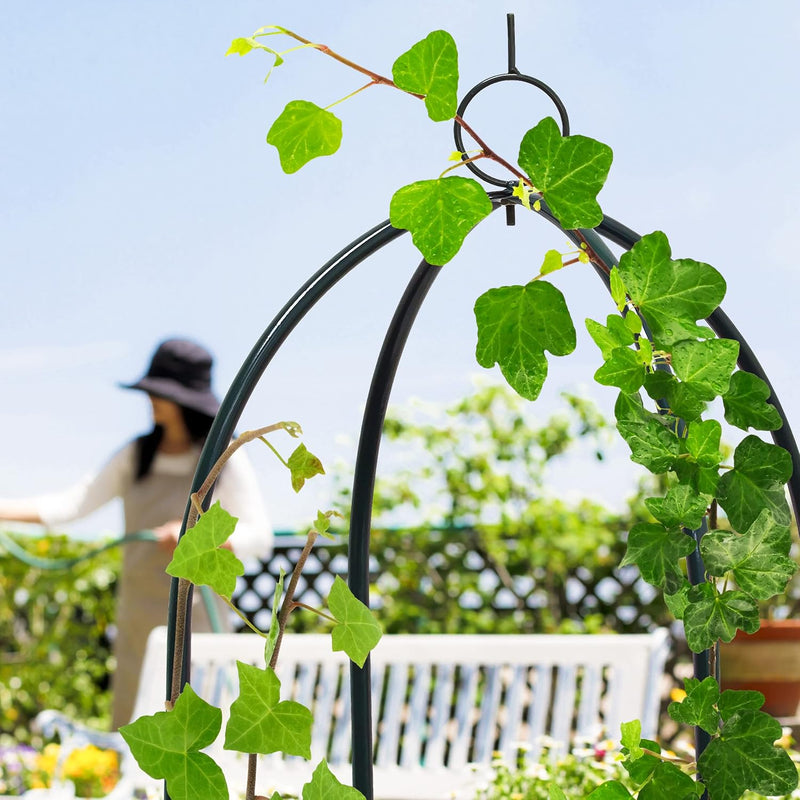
(380,389)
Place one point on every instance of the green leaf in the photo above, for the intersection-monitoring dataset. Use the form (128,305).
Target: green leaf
(744,757)
(199,557)
(357,631)
(260,722)
(682,506)
(244,45)
(633,323)
(324,785)
(553,262)
(569,171)
(322,524)
(642,768)
(610,790)
(439,214)
(711,616)
(746,404)
(166,746)
(623,369)
(274,628)
(430,68)
(631,736)
(303,132)
(679,600)
(702,443)
(703,480)
(555,793)
(609,337)
(652,443)
(681,399)
(734,701)
(756,482)
(706,365)
(656,550)
(671,295)
(759,559)
(516,324)
(699,706)
(303,465)
(669,782)
(619,294)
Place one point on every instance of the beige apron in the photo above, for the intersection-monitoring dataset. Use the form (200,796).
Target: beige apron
(144,586)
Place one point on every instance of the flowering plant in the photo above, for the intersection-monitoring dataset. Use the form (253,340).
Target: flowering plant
(93,771)
(578,774)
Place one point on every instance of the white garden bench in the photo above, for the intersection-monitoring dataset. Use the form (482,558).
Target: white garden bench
(443,705)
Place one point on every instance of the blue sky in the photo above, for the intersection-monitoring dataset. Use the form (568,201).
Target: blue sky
(139,200)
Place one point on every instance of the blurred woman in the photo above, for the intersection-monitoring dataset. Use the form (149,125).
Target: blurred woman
(152,475)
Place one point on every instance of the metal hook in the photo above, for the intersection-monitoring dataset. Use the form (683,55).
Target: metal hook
(513,74)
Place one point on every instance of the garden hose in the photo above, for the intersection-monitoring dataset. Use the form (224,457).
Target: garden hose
(56,564)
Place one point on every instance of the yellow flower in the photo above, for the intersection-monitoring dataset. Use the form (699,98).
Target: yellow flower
(677,695)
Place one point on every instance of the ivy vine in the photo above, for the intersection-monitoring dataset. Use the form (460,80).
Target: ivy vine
(653,351)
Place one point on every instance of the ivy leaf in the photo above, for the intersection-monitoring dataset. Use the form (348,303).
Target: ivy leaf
(671,295)
(702,442)
(669,782)
(199,557)
(711,616)
(756,481)
(706,365)
(167,746)
(703,480)
(680,507)
(619,294)
(303,465)
(744,757)
(679,600)
(612,335)
(274,628)
(552,262)
(303,132)
(357,631)
(656,550)
(430,68)
(324,785)
(439,214)
(245,44)
(322,524)
(610,790)
(623,369)
(680,399)
(516,324)
(734,701)
(652,443)
(569,171)
(759,559)
(642,768)
(746,404)
(698,707)
(630,738)
(260,722)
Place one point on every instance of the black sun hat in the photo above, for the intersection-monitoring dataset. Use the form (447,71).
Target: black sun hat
(180,370)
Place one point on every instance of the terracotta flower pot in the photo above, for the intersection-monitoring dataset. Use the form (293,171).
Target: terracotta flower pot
(767,661)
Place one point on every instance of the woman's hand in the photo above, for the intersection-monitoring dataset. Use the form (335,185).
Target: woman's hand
(167,535)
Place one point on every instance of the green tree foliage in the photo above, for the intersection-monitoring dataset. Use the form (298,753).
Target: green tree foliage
(475,488)
(54,647)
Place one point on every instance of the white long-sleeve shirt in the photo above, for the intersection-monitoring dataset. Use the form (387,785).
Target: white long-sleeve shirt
(237,491)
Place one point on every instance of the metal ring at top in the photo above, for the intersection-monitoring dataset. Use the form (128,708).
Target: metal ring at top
(469,97)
